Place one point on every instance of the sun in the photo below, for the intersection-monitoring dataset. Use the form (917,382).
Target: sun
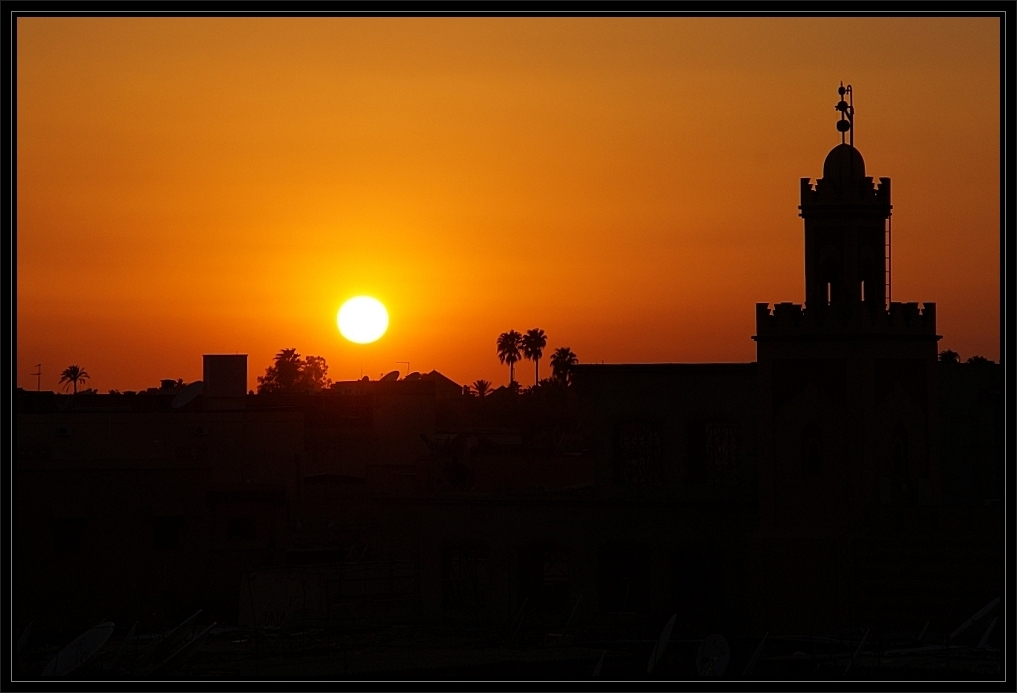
(363,319)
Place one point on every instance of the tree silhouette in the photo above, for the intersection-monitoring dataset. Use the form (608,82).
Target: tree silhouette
(508,351)
(562,361)
(481,388)
(533,343)
(73,375)
(291,374)
(979,360)
(283,375)
(949,356)
(314,373)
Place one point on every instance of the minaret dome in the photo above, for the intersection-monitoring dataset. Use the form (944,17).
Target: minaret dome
(844,162)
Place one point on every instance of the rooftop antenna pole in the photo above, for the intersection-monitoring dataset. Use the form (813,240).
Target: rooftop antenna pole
(407,366)
(38,377)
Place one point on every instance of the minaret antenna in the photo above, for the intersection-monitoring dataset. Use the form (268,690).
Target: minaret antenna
(846,124)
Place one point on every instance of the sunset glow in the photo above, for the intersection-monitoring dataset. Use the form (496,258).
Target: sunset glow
(629,185)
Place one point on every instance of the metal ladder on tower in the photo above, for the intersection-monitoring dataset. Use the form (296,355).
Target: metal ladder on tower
(889,227)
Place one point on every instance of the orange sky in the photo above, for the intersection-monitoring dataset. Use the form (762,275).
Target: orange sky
(630,185)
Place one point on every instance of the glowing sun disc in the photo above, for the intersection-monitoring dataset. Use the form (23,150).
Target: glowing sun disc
(362,320)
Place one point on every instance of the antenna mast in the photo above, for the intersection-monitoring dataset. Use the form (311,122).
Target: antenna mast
(846,124)
(38,377)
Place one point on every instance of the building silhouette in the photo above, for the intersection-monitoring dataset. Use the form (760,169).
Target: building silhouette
(844,479)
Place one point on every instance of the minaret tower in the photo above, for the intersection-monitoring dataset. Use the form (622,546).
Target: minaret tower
(846,216)
(847,381)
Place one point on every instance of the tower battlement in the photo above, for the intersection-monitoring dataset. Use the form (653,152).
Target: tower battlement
(832,195)
(793,320)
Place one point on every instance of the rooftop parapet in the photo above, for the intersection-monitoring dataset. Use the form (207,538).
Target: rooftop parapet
(793,320)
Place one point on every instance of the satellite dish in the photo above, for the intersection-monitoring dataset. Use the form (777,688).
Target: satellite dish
(187,394)
(415,375)
(79,651)
(390,377)
(658,649)
(714,654)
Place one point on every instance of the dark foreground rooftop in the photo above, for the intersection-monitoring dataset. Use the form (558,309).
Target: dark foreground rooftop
(465,653)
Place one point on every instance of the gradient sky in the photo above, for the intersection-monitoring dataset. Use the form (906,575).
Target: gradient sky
(630,185)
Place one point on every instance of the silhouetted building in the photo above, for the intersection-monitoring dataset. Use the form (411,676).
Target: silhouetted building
(845,478)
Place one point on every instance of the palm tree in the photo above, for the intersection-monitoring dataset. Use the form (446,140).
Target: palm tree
(73,375)
(533,344)
(284,375)
(562,361)
(481,388)
(508,351)
(949,356)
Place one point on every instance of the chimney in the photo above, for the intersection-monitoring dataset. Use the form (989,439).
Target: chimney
(225,378)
